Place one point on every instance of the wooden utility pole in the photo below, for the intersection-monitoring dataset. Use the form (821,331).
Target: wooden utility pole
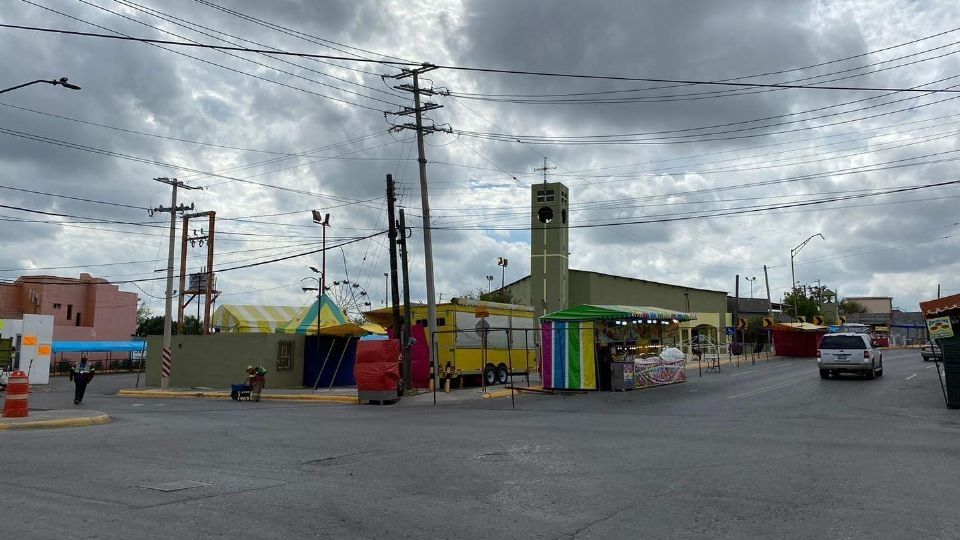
(394,287)
(417,111)
(206,286)
(407,315)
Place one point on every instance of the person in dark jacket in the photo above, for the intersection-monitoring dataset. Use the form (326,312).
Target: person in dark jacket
(81,375)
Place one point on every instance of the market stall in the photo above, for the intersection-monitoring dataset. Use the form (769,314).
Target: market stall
(331,343)
(943,322)
(797,339)
(610,347)
(251,319)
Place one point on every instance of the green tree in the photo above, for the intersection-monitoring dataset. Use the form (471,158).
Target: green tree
(800,303)
(502,296)
(153,326)
(846,307)
(143,313)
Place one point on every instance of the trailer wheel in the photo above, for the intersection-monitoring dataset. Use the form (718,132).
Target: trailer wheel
(490,375)
(503,374)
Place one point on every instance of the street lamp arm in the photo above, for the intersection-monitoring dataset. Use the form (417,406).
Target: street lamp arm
(62,81)
(797,249)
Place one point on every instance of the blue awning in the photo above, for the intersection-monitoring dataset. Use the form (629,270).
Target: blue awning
(99,346)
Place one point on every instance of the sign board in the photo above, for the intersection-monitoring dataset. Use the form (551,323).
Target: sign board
(731,330)
(940,328)
(742,323)
(767,322)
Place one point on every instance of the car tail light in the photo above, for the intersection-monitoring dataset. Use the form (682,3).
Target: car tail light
(866,354)
(818,354)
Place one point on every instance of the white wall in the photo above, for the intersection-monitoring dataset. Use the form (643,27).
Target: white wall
(36,342)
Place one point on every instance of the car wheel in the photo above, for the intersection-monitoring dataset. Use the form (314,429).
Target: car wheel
(880,371)
(503,374)
(872,374)
(824,374)
(490,376)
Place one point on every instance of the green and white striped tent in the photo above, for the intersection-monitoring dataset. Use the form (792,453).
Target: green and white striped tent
(251,319)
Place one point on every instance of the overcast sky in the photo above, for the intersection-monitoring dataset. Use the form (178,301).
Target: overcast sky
(757,170)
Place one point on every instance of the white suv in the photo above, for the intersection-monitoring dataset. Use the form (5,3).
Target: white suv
(849,353)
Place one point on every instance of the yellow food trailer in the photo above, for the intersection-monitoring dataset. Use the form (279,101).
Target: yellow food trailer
(477,337)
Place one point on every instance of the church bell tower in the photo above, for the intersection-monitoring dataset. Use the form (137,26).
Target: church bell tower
(549,243)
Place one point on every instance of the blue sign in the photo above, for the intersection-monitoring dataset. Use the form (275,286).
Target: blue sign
(731,330)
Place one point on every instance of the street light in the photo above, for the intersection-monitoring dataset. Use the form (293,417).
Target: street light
(502,263)
(793,278)
(751,280)
(62,81)
(319,290)
(794,252)
(323,220)
(489,284)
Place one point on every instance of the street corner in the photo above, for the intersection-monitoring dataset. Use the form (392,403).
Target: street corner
(59,418)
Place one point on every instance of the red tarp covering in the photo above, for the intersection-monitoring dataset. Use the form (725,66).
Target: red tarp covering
(419,355)
(796,343)
(934,307)
(378,365)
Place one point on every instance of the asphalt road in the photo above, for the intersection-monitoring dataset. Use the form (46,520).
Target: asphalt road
(764,451)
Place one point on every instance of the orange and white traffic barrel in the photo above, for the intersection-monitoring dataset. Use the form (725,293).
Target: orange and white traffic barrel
(18,388)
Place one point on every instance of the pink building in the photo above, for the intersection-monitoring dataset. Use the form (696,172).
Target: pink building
(85,309)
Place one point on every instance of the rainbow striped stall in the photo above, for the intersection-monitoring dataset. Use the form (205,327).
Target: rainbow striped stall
(569,358)
(568,341)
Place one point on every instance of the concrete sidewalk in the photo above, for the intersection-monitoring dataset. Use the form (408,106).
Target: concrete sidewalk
(339,395)
(58,418)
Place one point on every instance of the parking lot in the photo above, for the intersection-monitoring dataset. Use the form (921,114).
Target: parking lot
(765,450)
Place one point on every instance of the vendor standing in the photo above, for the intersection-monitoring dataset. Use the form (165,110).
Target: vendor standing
(81,374)
(256,378)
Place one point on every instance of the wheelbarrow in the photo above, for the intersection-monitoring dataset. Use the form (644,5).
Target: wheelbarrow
(239,392)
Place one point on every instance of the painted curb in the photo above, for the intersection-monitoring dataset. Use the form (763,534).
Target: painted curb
(226,395)
(62,423)
(506,393)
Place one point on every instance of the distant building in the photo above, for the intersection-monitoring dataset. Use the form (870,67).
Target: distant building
(597,288)
(84,309)
(874,304)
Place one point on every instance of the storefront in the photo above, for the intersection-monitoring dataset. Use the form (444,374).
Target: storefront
(598,347)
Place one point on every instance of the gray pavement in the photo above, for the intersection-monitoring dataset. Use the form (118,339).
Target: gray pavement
(764,451)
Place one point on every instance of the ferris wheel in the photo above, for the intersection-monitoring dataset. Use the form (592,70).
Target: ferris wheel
(350,297)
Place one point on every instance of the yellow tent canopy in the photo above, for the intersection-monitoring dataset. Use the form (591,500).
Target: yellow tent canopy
(332,321)
(251,319)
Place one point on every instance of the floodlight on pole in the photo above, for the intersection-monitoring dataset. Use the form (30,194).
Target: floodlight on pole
(502,263)
(324,220)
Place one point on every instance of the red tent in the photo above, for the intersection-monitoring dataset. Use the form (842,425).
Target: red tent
(797,339)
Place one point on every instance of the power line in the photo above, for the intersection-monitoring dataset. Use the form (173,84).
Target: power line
(199,45)
(478,69)
(137,7)
(755,75)
(110,153)
(192,26)
(157,43)
(94,201)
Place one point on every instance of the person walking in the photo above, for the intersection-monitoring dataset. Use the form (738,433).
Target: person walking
(81,375)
